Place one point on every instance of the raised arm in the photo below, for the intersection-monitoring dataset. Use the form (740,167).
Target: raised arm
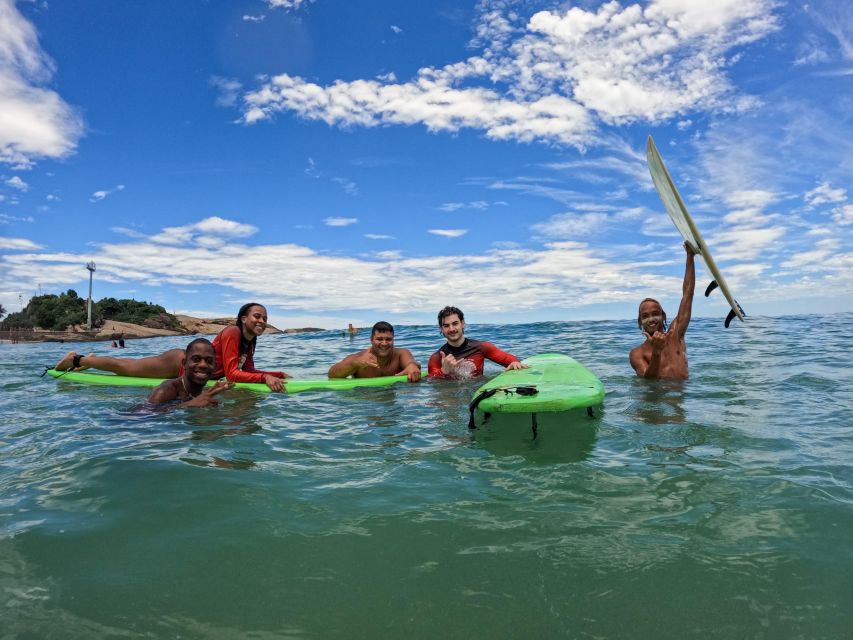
(686,307)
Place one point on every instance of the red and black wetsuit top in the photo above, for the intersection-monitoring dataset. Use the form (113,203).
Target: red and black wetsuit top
(229,362)
(474,351)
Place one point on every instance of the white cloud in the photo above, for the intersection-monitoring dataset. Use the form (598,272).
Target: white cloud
(843,215)
(396,29)
(16,183)
(311,169)
(7,219)
(553,78)
(258,18)
(52,198)
(378,236)
(100,195)
(388,255)
(348,185)
(130,233)
(572,225)
(557,275)
(288,5)
(18,244)
(36,122)
(339,222)
(824,193)
(449,233)
(479,205)
(228,89)
(207,232)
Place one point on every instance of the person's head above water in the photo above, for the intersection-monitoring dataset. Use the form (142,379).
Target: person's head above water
(651,317)
(451,323)
(382,327)
(449,311)
(199,363)
(382,339)
(252,321)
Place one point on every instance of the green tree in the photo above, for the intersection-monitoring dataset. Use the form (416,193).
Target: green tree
(2,311)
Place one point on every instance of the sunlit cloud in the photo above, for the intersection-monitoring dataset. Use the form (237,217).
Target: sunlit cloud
(448,233)
(100,195)
(288,5)
(7,219)
(228,89)
(553,78)
(36,122)
(339,222)
(16,183)
(824,193)
(18,244)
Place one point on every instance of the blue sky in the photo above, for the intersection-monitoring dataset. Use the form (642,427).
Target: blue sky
(354,161)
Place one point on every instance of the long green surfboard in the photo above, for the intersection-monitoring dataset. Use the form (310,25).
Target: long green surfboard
(553,382)
(291,386)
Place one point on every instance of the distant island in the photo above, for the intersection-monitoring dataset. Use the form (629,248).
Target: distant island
(62,318)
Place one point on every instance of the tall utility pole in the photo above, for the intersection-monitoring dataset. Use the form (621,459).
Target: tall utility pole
(91,267)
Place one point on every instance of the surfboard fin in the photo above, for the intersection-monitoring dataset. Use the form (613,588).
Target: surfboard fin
(732,315)
(711,287)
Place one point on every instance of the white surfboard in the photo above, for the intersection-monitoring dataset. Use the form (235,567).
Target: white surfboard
(684,223)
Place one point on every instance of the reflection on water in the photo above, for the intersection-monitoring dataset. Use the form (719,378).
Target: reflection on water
(721,503)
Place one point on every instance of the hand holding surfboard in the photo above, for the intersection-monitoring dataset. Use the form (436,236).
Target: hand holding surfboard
(687,227)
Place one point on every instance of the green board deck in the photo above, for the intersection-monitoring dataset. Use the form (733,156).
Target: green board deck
(292,386)
(560,382)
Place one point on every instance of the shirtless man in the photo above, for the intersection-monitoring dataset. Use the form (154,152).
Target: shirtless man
(461,357)
(664,353)
(198,364)
(380,359)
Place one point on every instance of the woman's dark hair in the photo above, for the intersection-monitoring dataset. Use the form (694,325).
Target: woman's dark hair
(247,347)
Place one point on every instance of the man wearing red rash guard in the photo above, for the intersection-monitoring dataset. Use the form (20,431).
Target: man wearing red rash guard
(461,357)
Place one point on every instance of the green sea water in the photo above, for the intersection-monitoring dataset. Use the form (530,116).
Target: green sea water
(718,507)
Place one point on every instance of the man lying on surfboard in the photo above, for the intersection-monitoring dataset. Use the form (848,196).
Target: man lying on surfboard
(461,357)
(664,353)
(380,359)
(198,365)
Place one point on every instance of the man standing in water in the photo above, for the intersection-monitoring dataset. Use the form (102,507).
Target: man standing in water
(664,353)
(199,363)
(380,359)
(461,357)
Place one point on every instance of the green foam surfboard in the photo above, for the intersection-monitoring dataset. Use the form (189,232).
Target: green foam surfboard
(292,386)
(553,382)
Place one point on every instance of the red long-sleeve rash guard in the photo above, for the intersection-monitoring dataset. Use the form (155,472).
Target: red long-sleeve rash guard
(473,350)
(227,347)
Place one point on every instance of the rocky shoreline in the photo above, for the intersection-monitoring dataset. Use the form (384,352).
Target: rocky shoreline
(112,330)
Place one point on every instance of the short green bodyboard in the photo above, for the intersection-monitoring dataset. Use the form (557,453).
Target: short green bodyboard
(560,383)
(291,386)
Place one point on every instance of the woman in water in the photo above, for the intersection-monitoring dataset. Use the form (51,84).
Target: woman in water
(234,346)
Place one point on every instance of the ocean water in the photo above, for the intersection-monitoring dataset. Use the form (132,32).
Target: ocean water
(718,507)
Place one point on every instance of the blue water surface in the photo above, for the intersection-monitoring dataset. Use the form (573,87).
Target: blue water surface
(718,507)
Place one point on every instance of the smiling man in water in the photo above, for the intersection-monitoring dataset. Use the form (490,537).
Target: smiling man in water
(198,364)
(380,359)
(664,353)
(461,357)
